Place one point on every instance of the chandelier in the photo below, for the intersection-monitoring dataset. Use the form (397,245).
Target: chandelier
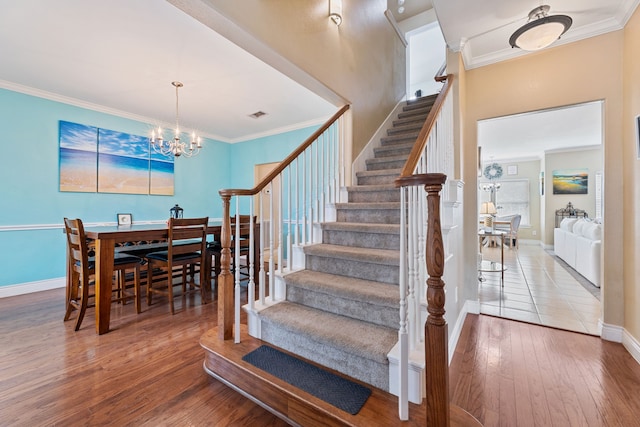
(175,146)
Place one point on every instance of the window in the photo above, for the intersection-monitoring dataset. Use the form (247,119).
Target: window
(511,198)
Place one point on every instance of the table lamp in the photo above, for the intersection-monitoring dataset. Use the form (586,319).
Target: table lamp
(488,209)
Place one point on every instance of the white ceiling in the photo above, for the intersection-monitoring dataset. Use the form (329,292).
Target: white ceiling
(120,56)
(481,29)
(530,135)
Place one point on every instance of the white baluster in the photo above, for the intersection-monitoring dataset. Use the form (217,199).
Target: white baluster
(403,363)
(236,266)
(271,239)
(279,218)
(251,290)
(263,275)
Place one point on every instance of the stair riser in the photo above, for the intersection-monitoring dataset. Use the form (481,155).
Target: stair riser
(364,240)
(360,310)
(377,179)
(374,196)
(404,130)
(393,164)
(398,139)
(384,216)
(417,111)
(369,371)
(418,119)
(362,270)
(400,151)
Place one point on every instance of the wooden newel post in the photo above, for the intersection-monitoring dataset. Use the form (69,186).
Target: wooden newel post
(436,336)
(225,279)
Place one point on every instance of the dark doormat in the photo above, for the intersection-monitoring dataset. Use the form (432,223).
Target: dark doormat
(339,392)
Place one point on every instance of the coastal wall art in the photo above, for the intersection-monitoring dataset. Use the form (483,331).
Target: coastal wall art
(106,161)
(570,181)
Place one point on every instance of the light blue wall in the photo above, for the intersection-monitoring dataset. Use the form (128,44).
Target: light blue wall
(29,173)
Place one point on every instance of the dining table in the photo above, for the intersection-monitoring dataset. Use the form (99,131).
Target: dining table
(106,238)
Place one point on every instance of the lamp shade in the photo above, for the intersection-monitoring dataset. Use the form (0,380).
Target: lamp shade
(488,208)
(541,30)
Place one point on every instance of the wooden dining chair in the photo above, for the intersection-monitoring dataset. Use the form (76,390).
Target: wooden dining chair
(187,242)
(81,267)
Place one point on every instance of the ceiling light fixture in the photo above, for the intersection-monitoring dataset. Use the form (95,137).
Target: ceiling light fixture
(541,30)
(335,11)
(175,146)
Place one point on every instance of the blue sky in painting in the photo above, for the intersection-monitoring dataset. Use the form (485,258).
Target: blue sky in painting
(123,144)
(78,137)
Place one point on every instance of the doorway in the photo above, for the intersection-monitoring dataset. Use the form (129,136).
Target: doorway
(519,157)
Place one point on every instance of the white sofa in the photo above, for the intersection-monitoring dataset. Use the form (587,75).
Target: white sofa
(578,242)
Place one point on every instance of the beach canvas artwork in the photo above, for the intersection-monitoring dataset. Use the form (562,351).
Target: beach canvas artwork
(94,159)
(161,174)
(570,181)
(78,157)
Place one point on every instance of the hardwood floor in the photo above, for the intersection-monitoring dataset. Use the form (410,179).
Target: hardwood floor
(507,373)
(148,371)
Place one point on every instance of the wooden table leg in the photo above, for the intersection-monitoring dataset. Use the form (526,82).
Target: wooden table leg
(104,277)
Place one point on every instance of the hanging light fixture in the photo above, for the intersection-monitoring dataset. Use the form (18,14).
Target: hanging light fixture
(175,146)
(541,30)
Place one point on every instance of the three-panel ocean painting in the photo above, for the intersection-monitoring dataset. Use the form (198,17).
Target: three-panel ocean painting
(100,160)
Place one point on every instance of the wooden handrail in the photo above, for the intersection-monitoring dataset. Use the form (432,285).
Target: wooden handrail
(286,162)
(421,141)
(440,76)
(225,278)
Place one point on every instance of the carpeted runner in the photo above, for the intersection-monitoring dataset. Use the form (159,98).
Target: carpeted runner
(333,389)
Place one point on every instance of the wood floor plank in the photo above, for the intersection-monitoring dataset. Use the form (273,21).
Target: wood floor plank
(148,372)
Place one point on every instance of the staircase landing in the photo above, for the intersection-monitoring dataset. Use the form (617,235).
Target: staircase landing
(223,361)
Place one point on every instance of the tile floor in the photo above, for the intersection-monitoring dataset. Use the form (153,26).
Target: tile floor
(538,289)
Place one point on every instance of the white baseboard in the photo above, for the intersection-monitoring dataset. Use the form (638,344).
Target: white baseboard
(612,332)
(30,287)
(632,345)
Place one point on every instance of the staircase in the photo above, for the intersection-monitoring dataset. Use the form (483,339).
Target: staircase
(341,311)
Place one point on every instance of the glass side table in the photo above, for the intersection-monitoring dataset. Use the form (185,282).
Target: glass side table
(487,266)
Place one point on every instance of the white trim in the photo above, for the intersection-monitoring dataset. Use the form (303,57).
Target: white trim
(632,345)
(30,287)
(612,332)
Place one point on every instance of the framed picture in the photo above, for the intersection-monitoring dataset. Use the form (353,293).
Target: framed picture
(124,219)
(570,181)
(512,170)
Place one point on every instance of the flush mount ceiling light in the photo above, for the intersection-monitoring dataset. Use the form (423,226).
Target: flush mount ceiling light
(541,30)
(175,146)
(335,11)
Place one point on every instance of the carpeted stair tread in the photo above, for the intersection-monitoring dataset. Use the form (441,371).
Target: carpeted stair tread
(382,151)
(386,159)
(370,205)
(362,227)
(352,336)
(346,287)
(404,129)
(380,172)
(399,139)
(370,255)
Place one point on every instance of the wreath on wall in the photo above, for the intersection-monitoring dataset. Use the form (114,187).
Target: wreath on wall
(493,171)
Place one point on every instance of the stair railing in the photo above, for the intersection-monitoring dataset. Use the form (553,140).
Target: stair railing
(307,182)
(422,253)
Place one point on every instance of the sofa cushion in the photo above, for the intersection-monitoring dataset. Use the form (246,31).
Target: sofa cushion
(579,226)
(592,231)
(567,224)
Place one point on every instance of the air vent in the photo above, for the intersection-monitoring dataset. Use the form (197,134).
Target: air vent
(258,114)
